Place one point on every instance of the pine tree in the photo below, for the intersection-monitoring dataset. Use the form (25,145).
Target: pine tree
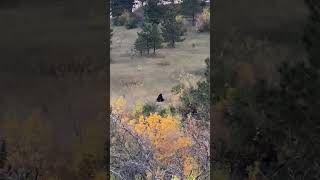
(139,45)
(148,38)
(156,38)
(143,41)
(171,30)
(119,6)
(153,11)
(190,8)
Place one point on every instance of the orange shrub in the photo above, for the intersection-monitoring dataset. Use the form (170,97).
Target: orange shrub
(164,133)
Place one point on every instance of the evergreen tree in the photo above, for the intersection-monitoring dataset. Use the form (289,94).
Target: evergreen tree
(119,6)
(153,11)
(148,38)
(190,8)
(144,41)
(172,30)
(140,44)
(156,38)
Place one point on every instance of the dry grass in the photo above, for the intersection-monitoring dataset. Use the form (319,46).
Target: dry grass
(164,63)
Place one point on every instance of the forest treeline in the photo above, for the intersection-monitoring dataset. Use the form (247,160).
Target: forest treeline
(160,23)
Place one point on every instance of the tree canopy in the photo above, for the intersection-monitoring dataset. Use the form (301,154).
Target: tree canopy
(172,31)
(119,6)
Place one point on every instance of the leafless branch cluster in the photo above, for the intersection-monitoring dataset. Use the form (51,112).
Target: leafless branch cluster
(200,134)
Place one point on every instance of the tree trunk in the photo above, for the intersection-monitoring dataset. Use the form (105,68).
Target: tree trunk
(193,18)
(154,48)
(148,47)
(37,174)
(173,37)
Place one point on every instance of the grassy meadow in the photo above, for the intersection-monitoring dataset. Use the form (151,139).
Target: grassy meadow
(145,77)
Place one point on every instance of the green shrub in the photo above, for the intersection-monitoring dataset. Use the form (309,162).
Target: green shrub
(131,23)
(177,89)
(138,108)
(168,111)
(195,100)
(149,108)
(124,18)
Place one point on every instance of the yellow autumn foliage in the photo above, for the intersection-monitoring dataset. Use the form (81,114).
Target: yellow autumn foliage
(203,20)
(165,134)
(179,19)
(118,105)
(190,166)
(206,14)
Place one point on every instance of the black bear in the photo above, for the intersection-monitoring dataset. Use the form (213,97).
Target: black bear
(160,98)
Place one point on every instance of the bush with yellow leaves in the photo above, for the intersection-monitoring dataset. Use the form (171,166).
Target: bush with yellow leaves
(118,105)
(164,133)
(203,21)
(179,19)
